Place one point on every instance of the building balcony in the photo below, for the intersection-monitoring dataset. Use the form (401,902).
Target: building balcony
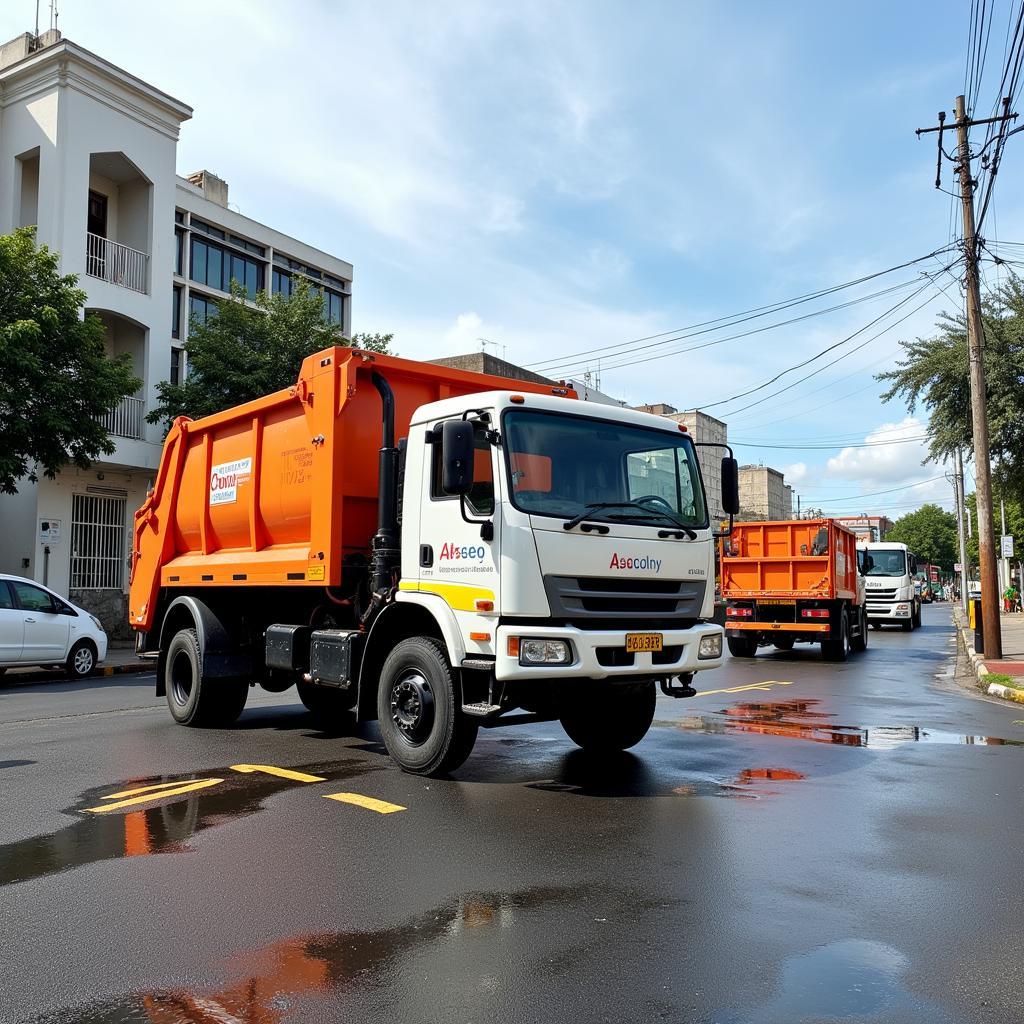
(116,263)
(126,419)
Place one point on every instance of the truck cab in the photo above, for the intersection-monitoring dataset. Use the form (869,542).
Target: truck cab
(893,595)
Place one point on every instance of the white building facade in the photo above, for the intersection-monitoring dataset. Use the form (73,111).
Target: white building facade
(87,156)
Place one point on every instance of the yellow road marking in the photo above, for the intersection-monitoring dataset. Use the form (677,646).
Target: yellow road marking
(158,792)
(144,789)
(281,773)
(380,806)
(766,685)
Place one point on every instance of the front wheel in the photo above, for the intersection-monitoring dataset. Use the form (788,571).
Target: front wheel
(742,646)
(610,717)
(916,620)
(81,660)
(192,698)
(419,709)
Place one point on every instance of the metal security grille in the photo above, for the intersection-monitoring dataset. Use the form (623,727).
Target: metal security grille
(97,542)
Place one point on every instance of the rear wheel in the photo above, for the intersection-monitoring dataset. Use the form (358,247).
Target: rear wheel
(192,698)
(860,642)
(785,643)
(837,647)
(742,647)
(327,703)
(420,711)
(608,717)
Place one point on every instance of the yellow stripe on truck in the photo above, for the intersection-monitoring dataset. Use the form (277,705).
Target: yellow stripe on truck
(460,596)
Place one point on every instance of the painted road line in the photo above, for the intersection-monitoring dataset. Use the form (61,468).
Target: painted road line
(380,806)
(766,685)
(281,773)
(148,793)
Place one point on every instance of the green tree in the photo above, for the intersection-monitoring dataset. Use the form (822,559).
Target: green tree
(1014,524)
(930,533)
(55,375)
(246,351)
(935,373)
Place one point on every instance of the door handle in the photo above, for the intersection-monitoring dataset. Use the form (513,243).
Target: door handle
(30,620)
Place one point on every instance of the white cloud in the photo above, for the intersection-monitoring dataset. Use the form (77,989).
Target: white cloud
(897,456)
(464,334)
(795,473)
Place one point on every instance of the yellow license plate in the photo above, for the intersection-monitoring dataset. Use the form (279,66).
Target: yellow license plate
(772,600)
(639,642)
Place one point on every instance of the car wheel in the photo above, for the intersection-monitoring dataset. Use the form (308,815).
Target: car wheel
(192,698)
(81,660)
(419,709)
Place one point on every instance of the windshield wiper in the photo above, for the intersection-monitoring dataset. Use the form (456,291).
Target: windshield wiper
(647,510)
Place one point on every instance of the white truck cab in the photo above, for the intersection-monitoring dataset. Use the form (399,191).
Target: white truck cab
(889,583)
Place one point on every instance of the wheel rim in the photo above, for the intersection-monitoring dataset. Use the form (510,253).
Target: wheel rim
(181,678)
(412,706)
(83,661)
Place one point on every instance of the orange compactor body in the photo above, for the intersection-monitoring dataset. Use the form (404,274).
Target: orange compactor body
(279,491)
(793,580)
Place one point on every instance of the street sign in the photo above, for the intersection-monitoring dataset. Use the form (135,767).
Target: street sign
(1007,547)
(49,531)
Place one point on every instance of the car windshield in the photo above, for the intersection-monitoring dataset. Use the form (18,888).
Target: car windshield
(563,466)
(888,563)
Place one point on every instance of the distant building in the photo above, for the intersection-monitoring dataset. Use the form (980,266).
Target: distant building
(708,430)
(764,494)
(869,528)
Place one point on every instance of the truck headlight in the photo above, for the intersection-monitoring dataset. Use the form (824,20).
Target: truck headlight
(544,652)
(710,646)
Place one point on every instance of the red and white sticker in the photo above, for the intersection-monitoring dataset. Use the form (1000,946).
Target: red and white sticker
(225,478)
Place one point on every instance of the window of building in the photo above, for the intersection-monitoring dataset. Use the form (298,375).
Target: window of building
(334,307)
(97,542)
(176,313)
(176,366)
(179,251)
(281,282)
(217,266)
(179,216)
(200,308)
(207,229)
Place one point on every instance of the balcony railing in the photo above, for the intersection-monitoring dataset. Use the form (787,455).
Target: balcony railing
(125,419)
(116,263)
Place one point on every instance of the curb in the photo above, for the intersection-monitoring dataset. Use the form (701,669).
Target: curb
(994,689)
(11,680)
(1007,692)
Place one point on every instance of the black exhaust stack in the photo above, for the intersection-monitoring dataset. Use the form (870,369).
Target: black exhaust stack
(386,545)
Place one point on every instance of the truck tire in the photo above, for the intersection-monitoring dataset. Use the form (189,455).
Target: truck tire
(860,643)
(784,643)
(193,699)
(916,618)
(419,709)
(610,717)
(837,648)
(742,647)
(327,703)
(907,624)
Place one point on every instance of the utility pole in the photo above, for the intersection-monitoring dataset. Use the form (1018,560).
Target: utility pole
(993,639)
(958,486)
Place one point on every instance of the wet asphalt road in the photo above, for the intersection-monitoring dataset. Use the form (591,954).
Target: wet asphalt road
(823,847)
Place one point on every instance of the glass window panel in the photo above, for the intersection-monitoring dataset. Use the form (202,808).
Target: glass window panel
(215,268)
(175,365)
(176,314)
(179,247)
(197,270)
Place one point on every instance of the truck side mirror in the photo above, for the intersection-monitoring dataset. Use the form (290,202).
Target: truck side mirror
(457,445)
(730,486)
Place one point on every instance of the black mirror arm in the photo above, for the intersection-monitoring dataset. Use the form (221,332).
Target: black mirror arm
(718,444)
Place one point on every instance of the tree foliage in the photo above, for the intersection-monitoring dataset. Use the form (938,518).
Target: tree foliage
(244,352)
(930,533)
(55,375)
(935,373)
(1014,524)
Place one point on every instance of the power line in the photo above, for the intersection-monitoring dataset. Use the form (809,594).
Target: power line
(828,447)
(872,494)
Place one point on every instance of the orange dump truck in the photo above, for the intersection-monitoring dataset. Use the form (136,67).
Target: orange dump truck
(432,548)
(795,581)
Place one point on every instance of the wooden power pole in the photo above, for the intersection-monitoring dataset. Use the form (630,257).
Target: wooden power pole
(993,639)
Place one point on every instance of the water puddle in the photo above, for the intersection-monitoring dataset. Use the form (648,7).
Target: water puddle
(160,829)
(804,720)
(852,980)
(264,985)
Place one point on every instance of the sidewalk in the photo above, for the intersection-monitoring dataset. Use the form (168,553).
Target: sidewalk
(1012,662)
(121,658)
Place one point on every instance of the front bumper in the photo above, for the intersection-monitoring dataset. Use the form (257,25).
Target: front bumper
(895,612)
(587,643)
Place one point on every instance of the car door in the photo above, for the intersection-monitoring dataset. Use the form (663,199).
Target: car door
(12,627)
(46,630)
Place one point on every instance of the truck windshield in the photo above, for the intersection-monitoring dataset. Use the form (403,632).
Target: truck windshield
(559,465)
(888,563)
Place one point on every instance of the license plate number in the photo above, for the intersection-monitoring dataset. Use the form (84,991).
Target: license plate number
(771,600)
(640,642)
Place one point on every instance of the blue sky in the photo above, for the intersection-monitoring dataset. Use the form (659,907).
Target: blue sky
(560,177)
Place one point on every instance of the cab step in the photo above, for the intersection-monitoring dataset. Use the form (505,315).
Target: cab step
(481,709)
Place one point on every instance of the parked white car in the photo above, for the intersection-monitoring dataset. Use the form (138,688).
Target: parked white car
(38,627)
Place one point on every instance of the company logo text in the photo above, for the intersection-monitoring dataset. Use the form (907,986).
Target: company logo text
(641,563)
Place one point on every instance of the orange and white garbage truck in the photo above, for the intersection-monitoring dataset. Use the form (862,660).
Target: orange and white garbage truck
(432,548)
(794,581)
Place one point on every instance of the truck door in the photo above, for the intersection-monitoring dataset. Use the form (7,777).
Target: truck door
(455,560)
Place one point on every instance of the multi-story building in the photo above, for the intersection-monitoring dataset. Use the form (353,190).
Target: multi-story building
(764,494)
(87,156)
(868,528)
(703,429)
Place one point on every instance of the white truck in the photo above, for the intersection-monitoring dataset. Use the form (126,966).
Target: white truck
(891,594)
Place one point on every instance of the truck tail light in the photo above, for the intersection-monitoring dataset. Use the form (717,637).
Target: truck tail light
(739,613)
(814,613)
